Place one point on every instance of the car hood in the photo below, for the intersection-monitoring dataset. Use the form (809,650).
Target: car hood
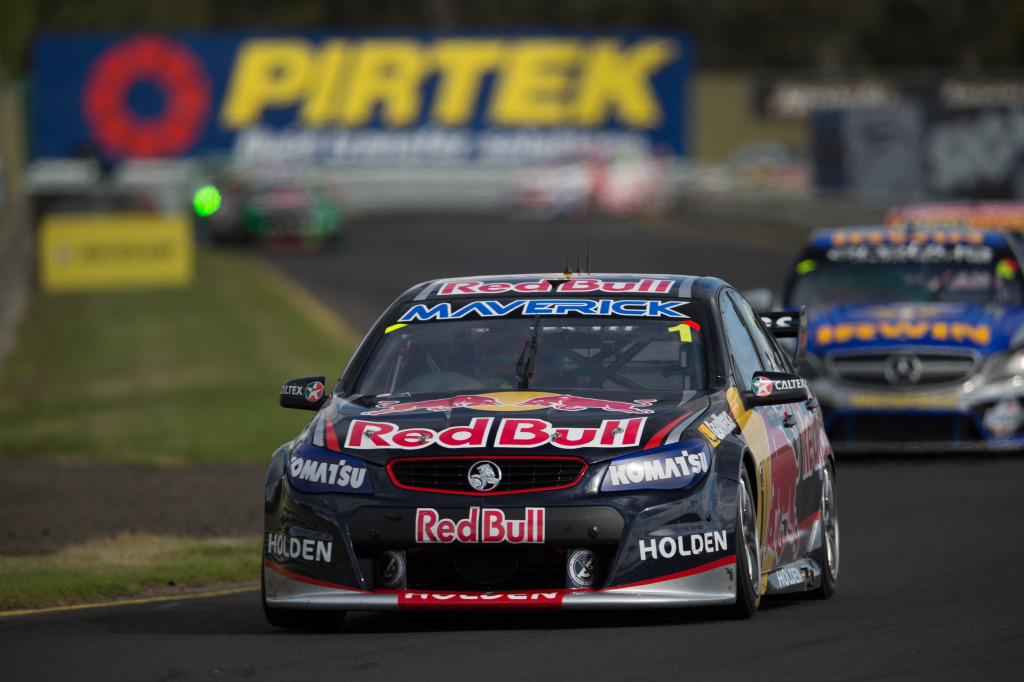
(594,426)
(985,328)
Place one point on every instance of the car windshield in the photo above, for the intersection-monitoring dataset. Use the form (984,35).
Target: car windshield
(885,274)
(538,353)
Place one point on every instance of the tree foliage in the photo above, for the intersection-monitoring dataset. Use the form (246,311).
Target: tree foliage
(826,35)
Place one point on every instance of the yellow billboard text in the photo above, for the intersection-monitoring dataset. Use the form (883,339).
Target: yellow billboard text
(534,82)
(903,330)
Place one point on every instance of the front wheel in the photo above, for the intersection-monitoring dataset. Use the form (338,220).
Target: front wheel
(748,552)
(828,553)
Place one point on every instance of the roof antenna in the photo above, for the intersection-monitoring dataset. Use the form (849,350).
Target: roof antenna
(578,271)
(588,257)
(568,268)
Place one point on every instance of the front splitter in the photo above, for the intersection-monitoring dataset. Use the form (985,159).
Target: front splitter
(711,584)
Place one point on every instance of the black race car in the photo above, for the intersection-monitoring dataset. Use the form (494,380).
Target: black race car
(553,442)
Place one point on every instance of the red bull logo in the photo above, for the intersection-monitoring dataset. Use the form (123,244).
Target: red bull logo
(510,433)
(658,286)
(481,526)
(517,401)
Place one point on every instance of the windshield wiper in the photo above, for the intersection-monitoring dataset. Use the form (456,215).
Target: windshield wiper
(524,365)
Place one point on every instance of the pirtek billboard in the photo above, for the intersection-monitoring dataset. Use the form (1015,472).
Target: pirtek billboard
(352,98)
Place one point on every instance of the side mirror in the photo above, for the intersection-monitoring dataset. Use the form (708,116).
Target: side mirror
(305,393)
(775,388)
(788,325)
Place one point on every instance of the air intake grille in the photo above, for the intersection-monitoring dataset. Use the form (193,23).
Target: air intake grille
(902,369)
(518,474)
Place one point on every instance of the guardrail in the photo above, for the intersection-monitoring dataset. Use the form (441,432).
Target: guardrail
(374,189)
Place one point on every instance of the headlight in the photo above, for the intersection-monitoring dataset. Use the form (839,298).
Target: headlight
(1003,367)
(670,467)
(314,470)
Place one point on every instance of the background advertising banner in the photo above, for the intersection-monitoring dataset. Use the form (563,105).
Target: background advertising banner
(917,149)
(338,98)
(92,251)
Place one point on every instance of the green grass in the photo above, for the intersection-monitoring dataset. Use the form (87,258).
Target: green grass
(126,566)
(158,377)
(166,376)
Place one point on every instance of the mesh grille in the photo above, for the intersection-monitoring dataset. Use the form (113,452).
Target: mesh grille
(881,369)
(518,474)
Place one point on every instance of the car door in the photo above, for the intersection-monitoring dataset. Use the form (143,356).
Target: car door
(805,430)
(772,432)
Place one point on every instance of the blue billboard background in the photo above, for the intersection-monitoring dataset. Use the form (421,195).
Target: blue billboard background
(178,95)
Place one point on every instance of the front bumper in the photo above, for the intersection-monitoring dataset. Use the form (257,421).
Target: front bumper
(651,549)
(707,585)
(951,419)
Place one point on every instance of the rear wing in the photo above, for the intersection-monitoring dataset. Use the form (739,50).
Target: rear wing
(789,325)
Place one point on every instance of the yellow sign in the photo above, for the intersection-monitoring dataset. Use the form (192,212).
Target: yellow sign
(537,82)
(86,251)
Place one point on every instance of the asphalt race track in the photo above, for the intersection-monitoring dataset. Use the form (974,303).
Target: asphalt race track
(930,584)
(386,256)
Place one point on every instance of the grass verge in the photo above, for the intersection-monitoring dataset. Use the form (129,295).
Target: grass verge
(158,377)
(128,565)
(166,376)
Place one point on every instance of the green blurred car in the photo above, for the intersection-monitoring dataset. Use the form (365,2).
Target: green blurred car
(294,212)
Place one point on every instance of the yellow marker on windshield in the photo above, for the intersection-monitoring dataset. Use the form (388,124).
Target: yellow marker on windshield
(394,327)
(805,266)
(685,335)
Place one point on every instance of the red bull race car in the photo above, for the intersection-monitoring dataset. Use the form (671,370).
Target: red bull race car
(553,442)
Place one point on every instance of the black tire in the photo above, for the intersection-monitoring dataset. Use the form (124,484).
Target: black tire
(748,551)
(828,553)
(299,619)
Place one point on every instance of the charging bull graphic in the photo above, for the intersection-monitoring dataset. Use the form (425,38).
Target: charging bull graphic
(566,403)
(440,405)
(574,403)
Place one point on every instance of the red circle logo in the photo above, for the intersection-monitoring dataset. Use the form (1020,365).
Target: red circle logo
(168,65)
